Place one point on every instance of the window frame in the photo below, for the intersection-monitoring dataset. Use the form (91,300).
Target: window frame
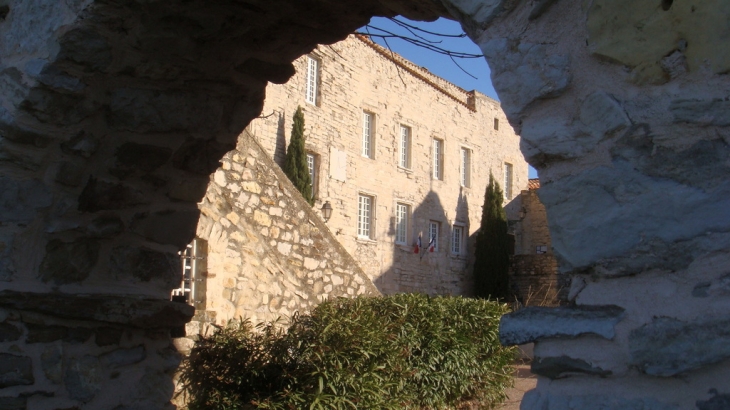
(437,159)
(311,81)
(365,232)
(508,180)
(465,162)
(431,225)
(461,229)
(313,170)
(402,210)
(368,135)
(404,146)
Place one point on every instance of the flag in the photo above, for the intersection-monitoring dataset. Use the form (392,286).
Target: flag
(417,249)
(432,243)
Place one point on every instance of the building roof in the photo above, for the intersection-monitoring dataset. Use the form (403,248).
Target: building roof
(533,184)
(453,91)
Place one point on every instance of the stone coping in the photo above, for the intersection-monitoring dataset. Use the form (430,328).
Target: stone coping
(118,309)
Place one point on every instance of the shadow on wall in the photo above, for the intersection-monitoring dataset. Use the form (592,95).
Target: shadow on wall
(441,271)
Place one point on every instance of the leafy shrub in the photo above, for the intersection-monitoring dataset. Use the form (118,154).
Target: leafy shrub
(404,351)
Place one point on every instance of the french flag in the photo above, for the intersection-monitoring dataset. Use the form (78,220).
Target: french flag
(432,243)
(417,249)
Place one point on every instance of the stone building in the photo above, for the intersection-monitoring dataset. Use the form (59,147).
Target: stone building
(399,153)
(534,278)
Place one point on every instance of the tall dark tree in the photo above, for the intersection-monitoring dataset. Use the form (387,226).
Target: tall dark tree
(491,264)
(295,166)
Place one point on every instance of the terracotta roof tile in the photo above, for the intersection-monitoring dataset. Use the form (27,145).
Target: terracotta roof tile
(533,184)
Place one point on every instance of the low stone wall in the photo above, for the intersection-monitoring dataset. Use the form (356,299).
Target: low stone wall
(102,352)
(269,253)
(534,280)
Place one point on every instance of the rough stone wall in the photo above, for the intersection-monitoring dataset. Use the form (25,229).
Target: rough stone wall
(269,253)
(623,111)
(534,277)
(355,76)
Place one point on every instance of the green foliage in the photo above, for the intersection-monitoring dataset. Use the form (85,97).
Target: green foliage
(491,264)
(295,166)
(404,351)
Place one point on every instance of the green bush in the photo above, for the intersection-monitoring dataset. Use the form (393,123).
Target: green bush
(404,351)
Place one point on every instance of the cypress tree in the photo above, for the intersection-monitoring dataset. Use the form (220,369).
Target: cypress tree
(295,166)
(491,264)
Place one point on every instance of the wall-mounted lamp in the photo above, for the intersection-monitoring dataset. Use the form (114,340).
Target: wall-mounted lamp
(327,211)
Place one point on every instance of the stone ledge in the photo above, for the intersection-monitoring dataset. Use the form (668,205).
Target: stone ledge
(536,323)
(125,310)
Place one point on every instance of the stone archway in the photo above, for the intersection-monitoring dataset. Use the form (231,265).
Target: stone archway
(115,112)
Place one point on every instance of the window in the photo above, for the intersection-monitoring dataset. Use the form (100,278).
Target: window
(465,167)
(364,216)
(312,80)
(401,223)
(496,124)
(438,159)
(404,159)
(368,120)
(433,235)
(312,167)
(541,249)
(507,180)
(457,238)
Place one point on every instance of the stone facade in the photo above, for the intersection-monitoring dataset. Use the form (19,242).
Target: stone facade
(534,278)
(354,77)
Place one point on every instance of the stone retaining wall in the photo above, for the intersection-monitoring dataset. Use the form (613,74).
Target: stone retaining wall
(269,253)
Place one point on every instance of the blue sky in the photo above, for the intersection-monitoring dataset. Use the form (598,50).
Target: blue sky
(438,64)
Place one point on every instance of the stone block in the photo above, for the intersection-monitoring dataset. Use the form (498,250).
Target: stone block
(13,403)
(200,157)
(82,144)
(19,200)
(564,366)
(69,262)
(52,363)
(717,402)
(58,108)
(174,227)
(139,159)
(83,377)
(15,370)
(618,30)
(106,336)
(703,112)
(188,190)
(602,114)
(70,173)
(667,347)
(106,227)
(537,323)
(101,196)
(123,357)
(87,48)
(141,313)
(535,399)
(145,264)
(9,332)
(526,72)
(481,13)
(164,111)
